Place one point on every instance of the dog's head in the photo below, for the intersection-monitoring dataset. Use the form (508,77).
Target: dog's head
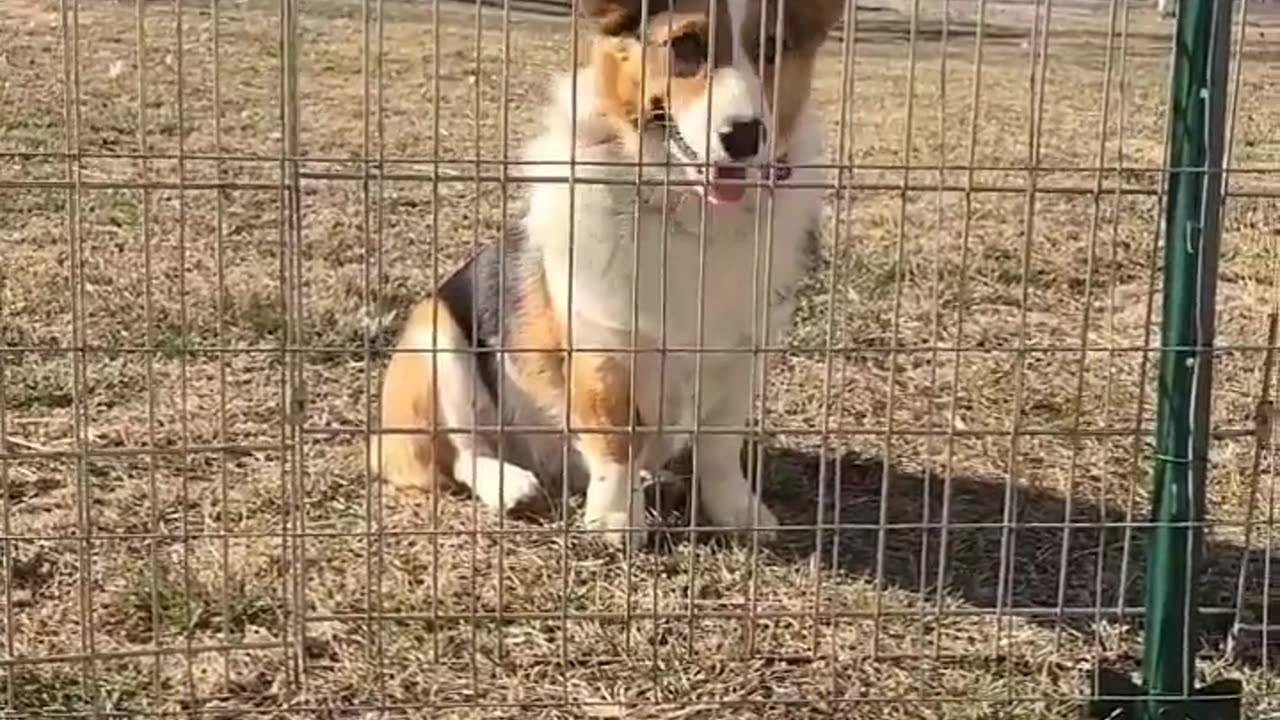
(721,83)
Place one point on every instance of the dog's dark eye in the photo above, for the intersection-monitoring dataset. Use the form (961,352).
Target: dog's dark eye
(688,54)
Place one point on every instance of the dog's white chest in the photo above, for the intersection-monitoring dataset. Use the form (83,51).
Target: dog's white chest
(682,282)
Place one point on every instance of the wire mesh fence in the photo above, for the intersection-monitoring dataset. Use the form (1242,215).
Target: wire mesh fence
(217,216)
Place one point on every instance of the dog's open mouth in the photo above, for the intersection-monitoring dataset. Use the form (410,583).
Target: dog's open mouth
(724,184)
(728,183)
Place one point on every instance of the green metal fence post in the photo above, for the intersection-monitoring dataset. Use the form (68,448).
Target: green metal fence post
(1192,224)
(1186,363)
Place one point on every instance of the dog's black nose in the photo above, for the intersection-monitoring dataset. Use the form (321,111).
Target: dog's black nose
(743,139)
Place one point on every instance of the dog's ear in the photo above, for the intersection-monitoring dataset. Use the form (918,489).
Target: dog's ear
(816,19)
(618,18)
(831,11)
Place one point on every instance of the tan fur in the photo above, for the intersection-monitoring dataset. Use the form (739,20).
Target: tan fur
(633,73)
(420,461)
(600,399)
(538,339)
(634,77)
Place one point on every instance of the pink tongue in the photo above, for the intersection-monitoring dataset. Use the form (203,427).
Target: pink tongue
(731,191)
(726,193)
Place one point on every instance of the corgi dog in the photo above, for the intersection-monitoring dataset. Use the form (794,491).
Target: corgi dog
(673,203)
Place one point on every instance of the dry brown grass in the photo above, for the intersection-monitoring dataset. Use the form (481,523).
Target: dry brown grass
(784,632)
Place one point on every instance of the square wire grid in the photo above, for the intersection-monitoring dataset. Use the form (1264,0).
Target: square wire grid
(216,214)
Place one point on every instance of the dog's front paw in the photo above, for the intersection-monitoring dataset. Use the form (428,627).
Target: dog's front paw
(501,485)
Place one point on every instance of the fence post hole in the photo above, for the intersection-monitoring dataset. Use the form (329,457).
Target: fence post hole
(1174,540)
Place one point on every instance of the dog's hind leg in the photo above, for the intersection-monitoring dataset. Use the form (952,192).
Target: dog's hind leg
(430,395)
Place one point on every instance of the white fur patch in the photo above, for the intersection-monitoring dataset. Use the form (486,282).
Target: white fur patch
(497,484)
(736,95)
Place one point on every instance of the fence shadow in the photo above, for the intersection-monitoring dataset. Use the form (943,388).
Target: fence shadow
(1039,578)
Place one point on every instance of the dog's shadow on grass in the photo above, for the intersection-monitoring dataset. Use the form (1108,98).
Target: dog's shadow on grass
(925,533)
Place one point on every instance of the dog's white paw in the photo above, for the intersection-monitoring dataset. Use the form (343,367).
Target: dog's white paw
(501,485)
